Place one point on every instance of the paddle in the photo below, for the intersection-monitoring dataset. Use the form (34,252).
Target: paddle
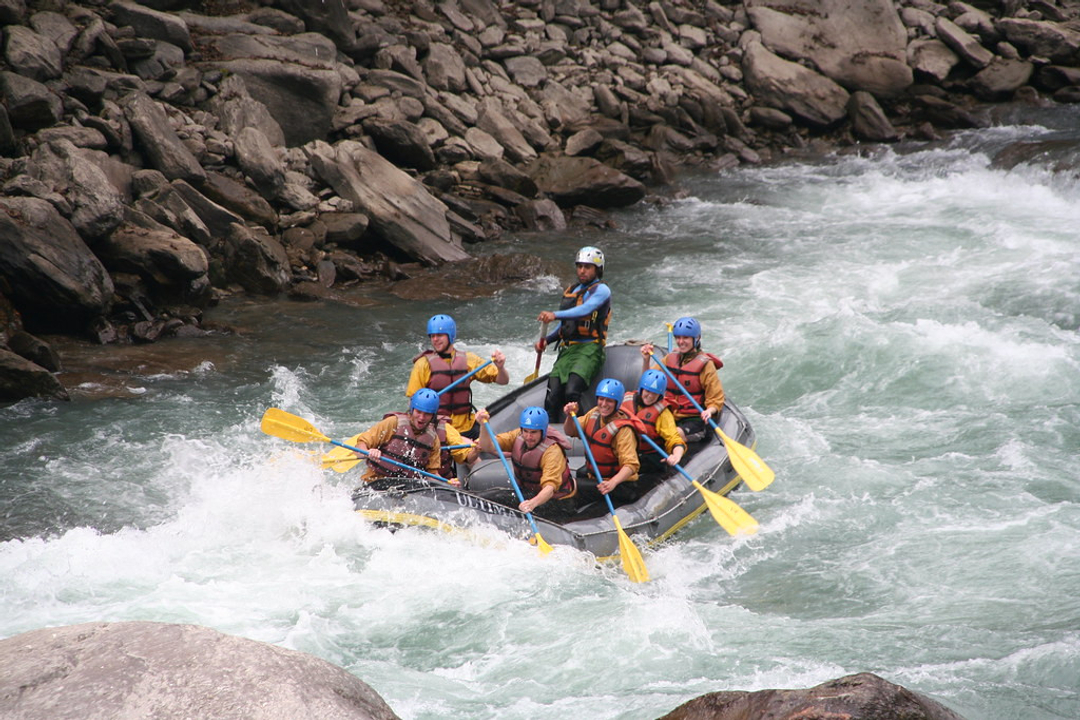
(539,355)
(746,462)
(465,377)
(292,427)
(341,459)
(540,542)
(632,561)
(726,512)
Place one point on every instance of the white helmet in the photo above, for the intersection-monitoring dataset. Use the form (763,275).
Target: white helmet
(591,255)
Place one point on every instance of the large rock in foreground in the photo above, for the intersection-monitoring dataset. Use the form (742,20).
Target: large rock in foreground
(864,696)
(138,670)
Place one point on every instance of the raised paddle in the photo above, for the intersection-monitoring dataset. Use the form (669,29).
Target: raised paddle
(292,427)
(540,542)
(632,561)
(539,356)
(726,512)
(341,459)
(753,470)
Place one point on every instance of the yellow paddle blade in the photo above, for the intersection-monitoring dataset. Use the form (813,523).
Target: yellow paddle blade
(632,561)
(341,459)
(542,544)
(727,512)
(530,377)
(755,473)
(290,427)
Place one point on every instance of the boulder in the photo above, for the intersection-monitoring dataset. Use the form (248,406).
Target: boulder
(1050,40)
(172,266)
(860,44)
(134,670)
(1000,79)
(55,281)
(96,205)
(863,696)
(573,181)
(963,43)
(164,149)
(400,209)
(793,88)
(19,379)
(255,260)
(868,120)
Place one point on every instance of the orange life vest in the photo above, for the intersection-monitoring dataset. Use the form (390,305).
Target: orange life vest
(601,439)
(527,465)
(406,446)
(458,400)
(648,415)
(689,377)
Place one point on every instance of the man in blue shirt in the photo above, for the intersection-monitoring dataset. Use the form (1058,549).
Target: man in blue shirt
(583,317)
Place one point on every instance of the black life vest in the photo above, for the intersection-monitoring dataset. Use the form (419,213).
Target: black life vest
(591,328)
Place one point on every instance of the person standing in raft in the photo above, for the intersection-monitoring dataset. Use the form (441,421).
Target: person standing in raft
(696,372)
(408,438)
(443,364)
(583,317)
(538,455)
(657,422)
(613,442)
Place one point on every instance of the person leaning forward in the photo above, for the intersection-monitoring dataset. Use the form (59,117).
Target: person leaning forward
(657,423)
(583,316)
(612,441)
(443,364)
(409,438)
(538,455)
(695,371)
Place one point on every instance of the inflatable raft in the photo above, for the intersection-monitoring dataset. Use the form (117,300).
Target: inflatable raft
(486,497)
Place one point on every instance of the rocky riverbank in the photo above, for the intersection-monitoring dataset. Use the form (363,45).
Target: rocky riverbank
(160,155)
(136,670)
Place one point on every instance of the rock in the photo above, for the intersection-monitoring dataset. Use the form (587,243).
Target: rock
(149,23)
(34,349)
(864,696)
(792,88)
(861,45)
(543,215)
(30,54)
(1000,79)
(260,163)
(163,147)
(256,261)
(1049,40)
(97,207)
(963,43)
(402,143)
(56,283)
(30,105)
(932,58)
(129,670)
(19,379)
(573,181)
(868,120)
(401,211)
(172,266)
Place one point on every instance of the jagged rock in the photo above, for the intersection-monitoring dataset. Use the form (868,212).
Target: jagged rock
(573,181)
(96,205)
(345,229)
(30,54)
(401,211)
(861,45)
(21,378)
(260,163)
(150,23)
(402,143)
(34,349)
(963,43)
(793,88)
(236,110)
(932,58)
(30,105)
(864,696)
(541,214)
(495,121)
(55,281)
(444,68)
(256,261)
(1000,79)
(162,145)
(505,175)
(868,120)
(129,670)
(173,267)
(1050,40)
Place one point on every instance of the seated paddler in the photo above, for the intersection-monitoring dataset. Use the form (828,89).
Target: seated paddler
(442,365)
(657,423)
(695,371)
(409,438)
(537,456)
(610,435)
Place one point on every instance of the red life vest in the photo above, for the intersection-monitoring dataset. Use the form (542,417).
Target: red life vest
(648,415)
(406,446)
(601,439)
(459,400)
(527,465)
(688,376)
(592,327)
(448,469)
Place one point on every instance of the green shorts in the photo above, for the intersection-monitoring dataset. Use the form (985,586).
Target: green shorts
(584,359)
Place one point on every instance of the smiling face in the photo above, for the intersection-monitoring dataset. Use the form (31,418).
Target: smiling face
(606,405)
(439,343)
(586,273)
(684,343)
(648,397)
(420,419)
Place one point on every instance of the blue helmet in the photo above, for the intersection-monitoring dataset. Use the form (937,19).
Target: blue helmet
(653,381)
(425,400)
(687,327)
(534,418)
(610,388)
(442,325)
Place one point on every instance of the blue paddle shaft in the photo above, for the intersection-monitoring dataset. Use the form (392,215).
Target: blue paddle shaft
(365,453)
(463,378)
(592,460)
(510,474)
(665,455)
(683,390)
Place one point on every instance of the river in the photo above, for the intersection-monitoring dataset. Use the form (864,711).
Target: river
(900,326)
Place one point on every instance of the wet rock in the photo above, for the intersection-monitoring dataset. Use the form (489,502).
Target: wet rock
(21,378)
(35,350)
(864,696)
(573,181)
(123,671)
